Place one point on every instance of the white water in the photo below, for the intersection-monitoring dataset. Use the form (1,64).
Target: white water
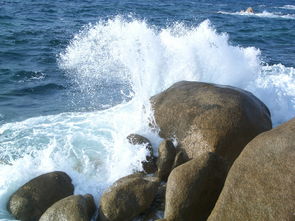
(92,147)
(264,14)
(288,7)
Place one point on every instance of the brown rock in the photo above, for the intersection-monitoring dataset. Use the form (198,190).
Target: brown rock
(249,10)
(260,184)
(128,177)
(210,118)
(128,198)
(155,211)
(137,139)
(165,159)
(149,165)
(193,188)
(31,200)
(180,159)
(71,208)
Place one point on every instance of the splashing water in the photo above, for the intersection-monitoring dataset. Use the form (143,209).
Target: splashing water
(132,61)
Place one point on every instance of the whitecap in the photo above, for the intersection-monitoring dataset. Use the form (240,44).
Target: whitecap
(288,7)
(264,14)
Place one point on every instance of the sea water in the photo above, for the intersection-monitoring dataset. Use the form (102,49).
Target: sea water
(76,78)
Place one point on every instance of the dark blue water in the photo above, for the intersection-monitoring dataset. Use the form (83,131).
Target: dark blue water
(33,33)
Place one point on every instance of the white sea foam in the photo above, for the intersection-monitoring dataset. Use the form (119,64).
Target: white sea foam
(92,147)
(288,7)
(264,14)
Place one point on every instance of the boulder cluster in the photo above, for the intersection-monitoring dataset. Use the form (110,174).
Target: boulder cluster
(225,163)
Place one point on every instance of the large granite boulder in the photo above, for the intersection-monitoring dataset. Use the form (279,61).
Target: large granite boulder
(31,200)
(71,208)
(193,188)
(149,164)
(210,118)
(128,197)
(165,159)
(261,183)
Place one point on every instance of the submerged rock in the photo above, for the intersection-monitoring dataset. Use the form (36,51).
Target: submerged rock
(71,208)
(193,188)
(165,159)
(210,118)
(261,183)
(127,198)
(149,165)
(31,200)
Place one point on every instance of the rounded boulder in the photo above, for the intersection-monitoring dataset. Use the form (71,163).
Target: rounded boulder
(127,198)
(165,159)
(71,208)
(193,188)
(206,118)
(31,200)
(261,183)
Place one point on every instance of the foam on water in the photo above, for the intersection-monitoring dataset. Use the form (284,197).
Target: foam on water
(91,147)
(264,14)
(144,60)
(288,7)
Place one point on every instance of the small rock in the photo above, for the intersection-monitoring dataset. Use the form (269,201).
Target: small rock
(158,206)
(180,159)
(149,165)
(128,198)
(137,139)
(166,159)
(31,200)
(71,208)
(249,10)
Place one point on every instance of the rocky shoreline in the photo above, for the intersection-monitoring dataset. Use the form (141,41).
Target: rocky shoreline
(228,164)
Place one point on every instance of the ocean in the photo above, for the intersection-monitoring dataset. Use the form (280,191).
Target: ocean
(76,77)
